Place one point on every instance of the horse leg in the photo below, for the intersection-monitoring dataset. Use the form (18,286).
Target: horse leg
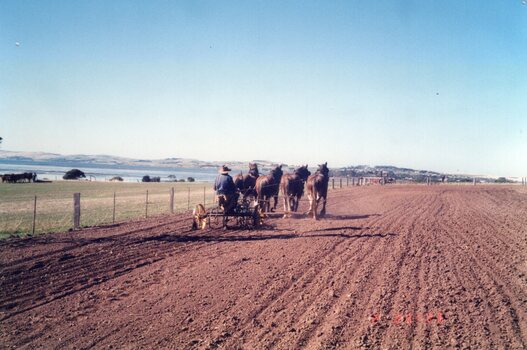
(266,204)
(297,203)
(323,211)
(315,206)
(261,203)
(291,205)
(286,211)
(310,199)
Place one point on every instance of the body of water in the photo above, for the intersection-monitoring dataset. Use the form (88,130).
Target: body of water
(55,172)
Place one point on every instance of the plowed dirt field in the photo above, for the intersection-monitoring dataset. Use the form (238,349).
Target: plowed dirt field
(389,267)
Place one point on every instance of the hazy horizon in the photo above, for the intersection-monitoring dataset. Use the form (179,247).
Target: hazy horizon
(272,161)
(428,85)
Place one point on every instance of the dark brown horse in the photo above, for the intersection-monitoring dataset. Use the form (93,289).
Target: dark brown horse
(292,186)
(246,184)
(317,188)
(267,186)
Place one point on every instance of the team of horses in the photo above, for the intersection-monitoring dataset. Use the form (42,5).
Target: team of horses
(264,188)
(14,178)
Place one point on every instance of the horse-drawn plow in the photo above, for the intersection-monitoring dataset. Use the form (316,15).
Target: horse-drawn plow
(246,215)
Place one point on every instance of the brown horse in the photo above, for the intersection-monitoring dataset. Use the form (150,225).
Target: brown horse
(266,187)
(317,188)
(246,183)
(292,186)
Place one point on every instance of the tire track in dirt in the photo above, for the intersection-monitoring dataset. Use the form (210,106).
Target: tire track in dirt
(395,281)
(68,274)
(306,275)
(366,281)
(323,286)
(297,284)
(511,304)
(75,239)
(272,296)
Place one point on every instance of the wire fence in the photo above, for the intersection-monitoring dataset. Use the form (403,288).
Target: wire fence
(34,208)
(51,211)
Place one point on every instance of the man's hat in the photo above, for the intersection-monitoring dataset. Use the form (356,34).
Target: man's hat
(224,169)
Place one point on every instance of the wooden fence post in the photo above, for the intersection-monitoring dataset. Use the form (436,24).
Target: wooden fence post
(172,200)
(347,181)
(146,205)
(113,216)
(76,210)
(340,182)
(353,181)
(333,183)
(34,215)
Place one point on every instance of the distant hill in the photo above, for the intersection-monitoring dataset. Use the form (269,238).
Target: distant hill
(107,161)
(406,174)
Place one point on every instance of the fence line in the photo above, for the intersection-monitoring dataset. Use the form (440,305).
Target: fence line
(40,213)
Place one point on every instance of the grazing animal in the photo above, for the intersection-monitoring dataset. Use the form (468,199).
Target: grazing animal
(14,178)
(267,186)
(317,189)
(246,184)
(292,187)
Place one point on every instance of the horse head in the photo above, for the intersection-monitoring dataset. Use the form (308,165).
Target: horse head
(323,169)
(303,172)
(277,173)
(253,169)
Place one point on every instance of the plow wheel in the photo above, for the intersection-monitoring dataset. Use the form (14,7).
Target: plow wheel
(257,218)
(216,218)
(199,217)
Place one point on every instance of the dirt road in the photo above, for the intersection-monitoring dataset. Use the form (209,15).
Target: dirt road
(389,267)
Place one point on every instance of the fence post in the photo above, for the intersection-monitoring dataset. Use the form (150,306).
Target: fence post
(474,181)
(188,199)
(113,216)
(347,181)
(34,215)
(340,182)
(146,205)
(172,200)
(353,181)
(76,210)
(333,183)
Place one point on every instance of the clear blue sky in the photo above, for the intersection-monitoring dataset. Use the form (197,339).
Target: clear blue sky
(439,85)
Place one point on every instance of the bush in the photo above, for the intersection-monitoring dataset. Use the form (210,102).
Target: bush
(147,178)
(181,180)
(190,179)
(73,174)
(116,178)
(172,178)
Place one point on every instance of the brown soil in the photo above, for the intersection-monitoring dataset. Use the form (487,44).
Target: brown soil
(389,267)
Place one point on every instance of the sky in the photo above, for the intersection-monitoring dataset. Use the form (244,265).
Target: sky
(437,85)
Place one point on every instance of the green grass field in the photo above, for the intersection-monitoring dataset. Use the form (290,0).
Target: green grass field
(55,203)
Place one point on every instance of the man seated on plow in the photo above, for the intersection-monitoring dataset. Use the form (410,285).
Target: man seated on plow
(226,190)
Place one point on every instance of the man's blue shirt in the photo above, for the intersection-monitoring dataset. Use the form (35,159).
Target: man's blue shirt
(224,184)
